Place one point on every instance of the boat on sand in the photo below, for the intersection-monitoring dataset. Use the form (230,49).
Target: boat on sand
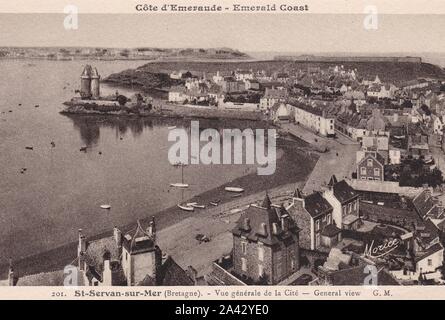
(186,207)
(234,189)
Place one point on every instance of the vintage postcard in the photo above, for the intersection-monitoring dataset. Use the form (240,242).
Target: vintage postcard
(222,149)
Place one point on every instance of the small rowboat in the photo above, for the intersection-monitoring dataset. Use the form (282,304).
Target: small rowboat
(186,207)
(105,206)
(179,185)
(233,189)
(195,205)
(172,127)
(215,202)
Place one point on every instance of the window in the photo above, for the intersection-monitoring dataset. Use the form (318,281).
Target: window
(355,205)
(317,240)
(244,264)
(324,218)
(363,171)
(329,219)
(260,270)
(376,171)
(350,207)
(430,262)
(317,225)
(292,263)
(243,247)
(369,163)
(261,253)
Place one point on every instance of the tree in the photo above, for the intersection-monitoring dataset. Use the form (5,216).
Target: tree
(122,100)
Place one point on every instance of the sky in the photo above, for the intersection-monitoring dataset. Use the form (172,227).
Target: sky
(245,32)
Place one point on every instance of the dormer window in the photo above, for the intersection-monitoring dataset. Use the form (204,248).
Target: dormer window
(260,253)
(369,162)
(244,247)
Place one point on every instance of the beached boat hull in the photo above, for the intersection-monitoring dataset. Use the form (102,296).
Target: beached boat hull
(186,208)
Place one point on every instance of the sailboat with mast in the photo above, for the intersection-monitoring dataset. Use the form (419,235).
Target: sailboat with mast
(180,184)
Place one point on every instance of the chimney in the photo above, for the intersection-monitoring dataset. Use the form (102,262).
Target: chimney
(193,274)
(82,246)
(117,235)
(246,224)
(12,281)
(152,229)
(81,249)
(298,199)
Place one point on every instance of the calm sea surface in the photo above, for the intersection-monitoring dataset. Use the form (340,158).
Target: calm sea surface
(62,188)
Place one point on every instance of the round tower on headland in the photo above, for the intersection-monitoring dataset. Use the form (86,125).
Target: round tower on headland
(95,84)
(85,83)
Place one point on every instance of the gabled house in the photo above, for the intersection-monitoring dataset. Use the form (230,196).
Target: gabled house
(426,261)
(280,112)
(271,97)
(345,202)
(265,244)
(428,206)
(371,167)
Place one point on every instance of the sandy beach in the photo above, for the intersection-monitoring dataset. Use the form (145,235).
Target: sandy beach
(177,228)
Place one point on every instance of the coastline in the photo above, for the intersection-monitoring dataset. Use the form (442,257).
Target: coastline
(161,110)
(288,172)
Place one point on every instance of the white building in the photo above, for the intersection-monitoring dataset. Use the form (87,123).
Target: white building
(177,95)
(427,264)
(314,119)
(394,156)
(218,78)
(241,75)
(271,97)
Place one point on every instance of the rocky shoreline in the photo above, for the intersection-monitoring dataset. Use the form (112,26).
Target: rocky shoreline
(162,110)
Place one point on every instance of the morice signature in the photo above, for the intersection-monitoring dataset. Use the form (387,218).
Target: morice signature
(381,250)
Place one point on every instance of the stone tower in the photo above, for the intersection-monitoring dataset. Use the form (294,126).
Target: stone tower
(95,84)
(85,83)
